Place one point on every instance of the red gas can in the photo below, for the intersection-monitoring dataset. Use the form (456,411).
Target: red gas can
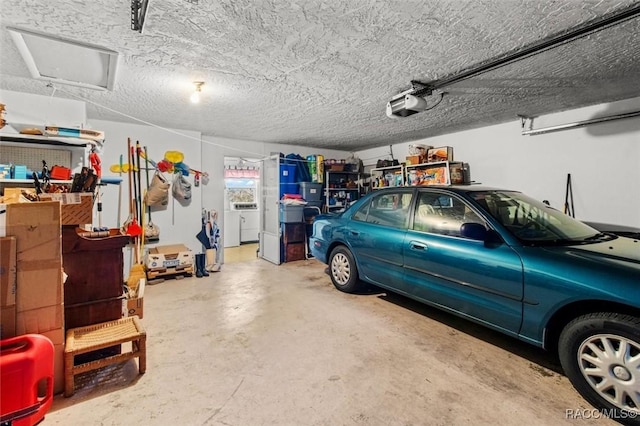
(26,379)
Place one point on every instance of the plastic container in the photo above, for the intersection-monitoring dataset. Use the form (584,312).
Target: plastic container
(311,191)
(287,173)
(19,172)
(26,382)
(289,188)
(291,213)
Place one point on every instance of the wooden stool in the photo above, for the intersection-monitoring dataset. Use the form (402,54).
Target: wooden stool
(98,336)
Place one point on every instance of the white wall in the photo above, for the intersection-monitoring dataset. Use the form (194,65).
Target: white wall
(27,110)
(38,110)
(178,224)
(215,149)
(603,159)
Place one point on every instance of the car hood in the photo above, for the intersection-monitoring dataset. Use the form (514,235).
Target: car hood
(620,249)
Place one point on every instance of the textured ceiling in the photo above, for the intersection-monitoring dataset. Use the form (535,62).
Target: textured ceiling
(320,72)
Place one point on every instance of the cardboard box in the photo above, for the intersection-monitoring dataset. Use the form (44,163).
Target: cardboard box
(176,256)
(458,174)
(76,207)
(39,286)
(7,322)
(14,195)
(435,175)
(57,337)
(40,320)
(5,171)
(412,160)
(7,271)
(443,153)
(36,227)
(135,307)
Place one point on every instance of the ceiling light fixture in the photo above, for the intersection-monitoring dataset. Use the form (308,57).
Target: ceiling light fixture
(195,96)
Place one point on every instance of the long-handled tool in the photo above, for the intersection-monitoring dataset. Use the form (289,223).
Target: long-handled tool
(568,198)
(139,196)
(137,270)
(132,229)
(120,192)
(151,231)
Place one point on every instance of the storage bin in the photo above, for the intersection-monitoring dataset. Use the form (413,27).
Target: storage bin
(311,191)
(19,172)
(27,365)
(291,214)
(289,188)
(287,173)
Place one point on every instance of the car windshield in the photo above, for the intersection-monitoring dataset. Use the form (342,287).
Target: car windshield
(534,222)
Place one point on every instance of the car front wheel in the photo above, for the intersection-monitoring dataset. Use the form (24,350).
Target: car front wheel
(343,270)
(600,354)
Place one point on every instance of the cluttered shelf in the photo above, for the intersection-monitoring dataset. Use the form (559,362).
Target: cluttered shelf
(45,140)
(31,181)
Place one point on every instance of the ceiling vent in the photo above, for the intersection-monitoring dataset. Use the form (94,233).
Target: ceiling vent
(65,61)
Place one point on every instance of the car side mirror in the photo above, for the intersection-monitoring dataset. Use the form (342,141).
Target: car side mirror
(478,232)
(473,231)
(493,238)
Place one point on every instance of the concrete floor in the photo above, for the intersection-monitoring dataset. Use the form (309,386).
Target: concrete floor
(259,344)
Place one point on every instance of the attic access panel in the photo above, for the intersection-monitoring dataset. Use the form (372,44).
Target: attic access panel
(55,59)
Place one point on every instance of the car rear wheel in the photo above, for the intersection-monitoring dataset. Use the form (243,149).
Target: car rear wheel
(600,354)
(343,270)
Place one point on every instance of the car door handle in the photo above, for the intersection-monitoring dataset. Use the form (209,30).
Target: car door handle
(355,233)
(417,246)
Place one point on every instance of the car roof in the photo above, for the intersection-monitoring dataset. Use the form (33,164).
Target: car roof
(453,188)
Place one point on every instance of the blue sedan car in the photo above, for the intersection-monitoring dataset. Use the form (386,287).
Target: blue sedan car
(509,262)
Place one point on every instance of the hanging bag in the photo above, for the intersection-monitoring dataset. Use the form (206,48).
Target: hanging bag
(181,187)
(158,192)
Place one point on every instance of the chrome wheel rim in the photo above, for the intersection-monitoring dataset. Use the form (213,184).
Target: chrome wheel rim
(611,366)
(340,269)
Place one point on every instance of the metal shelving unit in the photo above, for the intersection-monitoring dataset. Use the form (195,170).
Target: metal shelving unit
(435,173)
(339,193)
(30,150)
(385,177)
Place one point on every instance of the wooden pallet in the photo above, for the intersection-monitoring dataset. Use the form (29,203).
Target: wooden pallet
(158,275)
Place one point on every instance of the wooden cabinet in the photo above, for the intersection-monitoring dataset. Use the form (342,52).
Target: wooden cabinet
(293,241)
(93,291)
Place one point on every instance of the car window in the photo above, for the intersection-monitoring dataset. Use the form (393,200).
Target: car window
(387,208)
(442,214)
(532,221)
(361,213)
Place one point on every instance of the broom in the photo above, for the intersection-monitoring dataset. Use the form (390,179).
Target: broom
(137,270)
(151,231)
(131,225)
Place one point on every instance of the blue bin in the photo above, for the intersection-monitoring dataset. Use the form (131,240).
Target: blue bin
(288,173)
(289,188)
